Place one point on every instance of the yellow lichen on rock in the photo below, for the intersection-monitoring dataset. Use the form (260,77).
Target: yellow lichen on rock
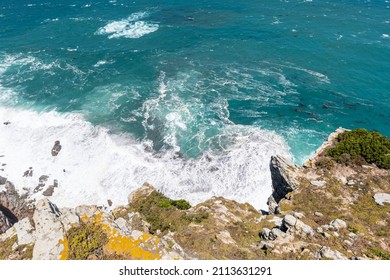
(65,251)
(128,247)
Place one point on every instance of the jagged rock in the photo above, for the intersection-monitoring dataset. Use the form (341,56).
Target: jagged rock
(85,212)
(136,222)
(43,179)
(382,198)
(49,191)
(289,221)
(8,234)
(25,233)
(38,188)
(273,206)
(12,206)
(277,220)
(283,181)
(144,191)
(275,233)
(28,173)
(328,143)
(178,252)
(49,231)
(264,234)
(2,180)
(326,252)
(292,223)
(5,224)
(56,148)
(122,225)
(306,229)
(338,224)
(69,218)
(266,245)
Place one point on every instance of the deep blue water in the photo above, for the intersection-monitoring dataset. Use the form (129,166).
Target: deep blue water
(178,73)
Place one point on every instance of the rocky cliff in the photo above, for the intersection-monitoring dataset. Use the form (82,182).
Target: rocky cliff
(328,209)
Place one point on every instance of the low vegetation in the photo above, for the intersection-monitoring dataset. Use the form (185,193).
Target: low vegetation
(86,240)
(359,146)
(21,252)
(161,212)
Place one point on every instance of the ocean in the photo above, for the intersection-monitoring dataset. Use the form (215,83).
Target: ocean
(191,97)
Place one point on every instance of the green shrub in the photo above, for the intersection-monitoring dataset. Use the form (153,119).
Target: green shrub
(85,240)
(164,213)
(164,202)
(181,204)
(359,145)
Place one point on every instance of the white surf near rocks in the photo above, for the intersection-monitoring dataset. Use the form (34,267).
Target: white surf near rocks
(95,165)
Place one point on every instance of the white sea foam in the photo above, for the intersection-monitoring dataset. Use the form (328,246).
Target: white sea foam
(131,27)
(94,165)
(50,20)
(320,76)
(31,63)
(99,63)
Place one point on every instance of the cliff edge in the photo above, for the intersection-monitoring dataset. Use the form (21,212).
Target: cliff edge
(336,206)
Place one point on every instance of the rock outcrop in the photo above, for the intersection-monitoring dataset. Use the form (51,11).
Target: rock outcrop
(283,176)
(48,231)
(310,163)
(382,198)
(13,207)
(56,148)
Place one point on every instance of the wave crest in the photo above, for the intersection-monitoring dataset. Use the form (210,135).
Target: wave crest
(131,27)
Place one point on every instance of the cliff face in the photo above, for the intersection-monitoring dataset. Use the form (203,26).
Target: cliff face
(325,210)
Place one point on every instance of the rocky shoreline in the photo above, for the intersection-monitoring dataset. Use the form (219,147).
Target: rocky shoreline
(322,210)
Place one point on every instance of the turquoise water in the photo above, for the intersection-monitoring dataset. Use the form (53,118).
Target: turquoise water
(178,73)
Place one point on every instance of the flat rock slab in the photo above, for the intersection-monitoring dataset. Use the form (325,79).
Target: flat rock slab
(381,198)
(318,183)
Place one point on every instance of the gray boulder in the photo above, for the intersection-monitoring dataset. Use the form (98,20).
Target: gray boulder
(289,221)
(264,234)
(338,224)
(56,148)
(49,191)
(327,253)
(382,198)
